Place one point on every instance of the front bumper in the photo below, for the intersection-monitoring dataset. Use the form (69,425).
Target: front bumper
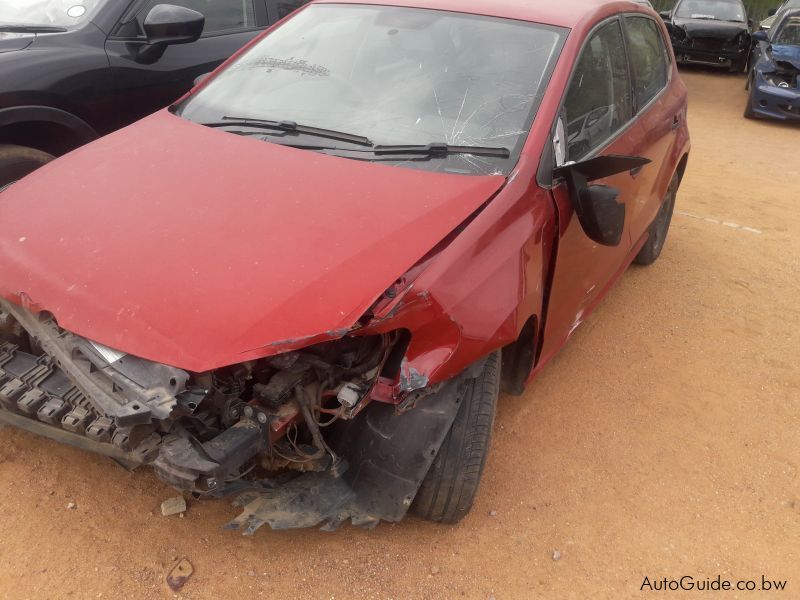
(773,102)
(205,441)
(711,57)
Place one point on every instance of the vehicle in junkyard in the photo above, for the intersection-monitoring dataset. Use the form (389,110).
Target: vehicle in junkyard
(774,13)
(73,70)
(774,79)
(713,33)
(305,283)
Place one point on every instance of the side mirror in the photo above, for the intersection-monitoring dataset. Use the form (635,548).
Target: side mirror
(168,24)
(600,215)
(760,36)
(200,79)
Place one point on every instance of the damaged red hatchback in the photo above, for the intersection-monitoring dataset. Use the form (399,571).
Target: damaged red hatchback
(305,283)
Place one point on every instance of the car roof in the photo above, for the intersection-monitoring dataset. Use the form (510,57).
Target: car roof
(564,13)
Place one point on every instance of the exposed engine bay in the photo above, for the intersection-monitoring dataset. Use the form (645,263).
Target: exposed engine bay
(301,438)
(785,75)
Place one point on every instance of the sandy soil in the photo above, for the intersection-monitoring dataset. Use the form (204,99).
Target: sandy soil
(663,441)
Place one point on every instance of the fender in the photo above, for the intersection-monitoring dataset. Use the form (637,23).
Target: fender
(47,114)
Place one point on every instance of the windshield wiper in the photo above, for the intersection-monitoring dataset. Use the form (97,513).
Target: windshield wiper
(441,149)
(31,29)
(293,127)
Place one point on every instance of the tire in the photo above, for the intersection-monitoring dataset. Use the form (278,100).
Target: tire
(448,490)
(659,228)
(18,161)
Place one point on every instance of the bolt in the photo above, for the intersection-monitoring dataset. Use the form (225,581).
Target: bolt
(211,483)
(234,413)
(248,411)
(262,418)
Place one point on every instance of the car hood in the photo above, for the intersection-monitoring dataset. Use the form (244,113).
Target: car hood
(786,54)
(198,248)
(703,28)
(15,41)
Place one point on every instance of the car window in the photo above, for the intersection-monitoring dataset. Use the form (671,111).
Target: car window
(52,13)
(789,33)
(599,97)
(284,8)
(712,10)
(395,75)
(221,15)
(649,58)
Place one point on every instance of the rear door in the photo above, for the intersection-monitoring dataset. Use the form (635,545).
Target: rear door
(141,89)
(659,117)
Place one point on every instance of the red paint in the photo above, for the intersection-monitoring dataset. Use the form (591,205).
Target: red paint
(199,248)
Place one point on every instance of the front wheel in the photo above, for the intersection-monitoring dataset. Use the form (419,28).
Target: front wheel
(18,161)
(657,234)
(448,490)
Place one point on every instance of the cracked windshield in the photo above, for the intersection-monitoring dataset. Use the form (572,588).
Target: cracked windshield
(410,87)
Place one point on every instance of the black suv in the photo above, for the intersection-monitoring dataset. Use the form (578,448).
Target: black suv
(73,70)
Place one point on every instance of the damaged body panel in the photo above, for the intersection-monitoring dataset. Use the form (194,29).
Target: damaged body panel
(774,80)
(314,317)
(712,33)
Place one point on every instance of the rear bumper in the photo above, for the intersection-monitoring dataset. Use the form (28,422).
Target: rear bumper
(772,102)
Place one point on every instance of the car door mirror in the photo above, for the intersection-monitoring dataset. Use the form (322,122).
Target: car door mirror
(169,24)
(599,213)
(200,79)
(760,36)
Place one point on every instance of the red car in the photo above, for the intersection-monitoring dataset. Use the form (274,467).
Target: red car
(305,283)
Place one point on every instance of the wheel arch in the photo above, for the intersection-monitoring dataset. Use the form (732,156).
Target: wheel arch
(44,128)
(518,359)
(681,170)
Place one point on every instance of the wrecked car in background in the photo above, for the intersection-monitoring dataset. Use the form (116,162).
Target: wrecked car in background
(774,80)
(714,33)
(304,284)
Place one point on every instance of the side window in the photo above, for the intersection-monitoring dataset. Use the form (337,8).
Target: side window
(599,96)
(649,58)
(221,15)
(287,7)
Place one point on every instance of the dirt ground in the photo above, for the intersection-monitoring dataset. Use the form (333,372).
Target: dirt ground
(662,442)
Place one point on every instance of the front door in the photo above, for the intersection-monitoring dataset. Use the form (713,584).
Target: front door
(141,89)
(598,117)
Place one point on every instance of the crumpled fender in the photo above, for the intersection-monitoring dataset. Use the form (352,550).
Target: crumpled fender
(476,295)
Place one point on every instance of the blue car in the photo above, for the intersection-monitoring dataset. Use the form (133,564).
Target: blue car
(774,81)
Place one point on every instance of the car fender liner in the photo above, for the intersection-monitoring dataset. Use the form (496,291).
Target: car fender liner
(388,457)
